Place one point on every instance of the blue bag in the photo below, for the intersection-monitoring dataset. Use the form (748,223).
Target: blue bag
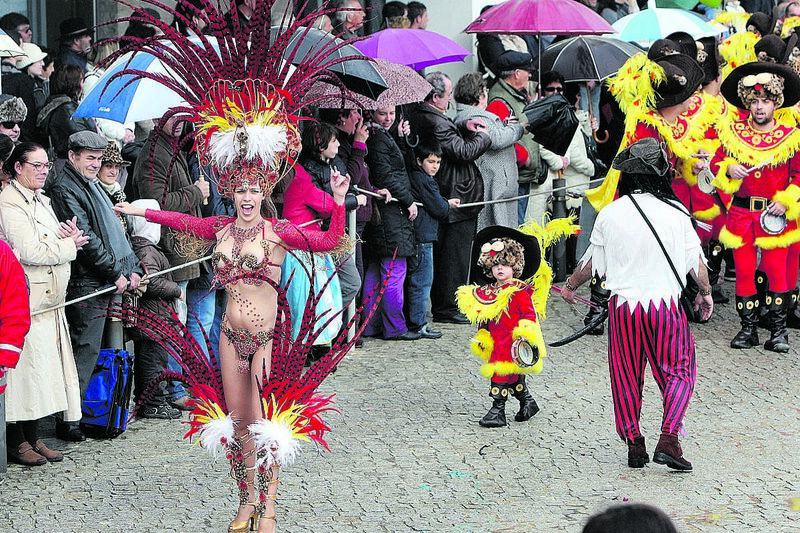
(105,404)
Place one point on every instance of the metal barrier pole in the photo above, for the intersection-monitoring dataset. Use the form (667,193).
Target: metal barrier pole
(559,211)
(351,307)
(3,457)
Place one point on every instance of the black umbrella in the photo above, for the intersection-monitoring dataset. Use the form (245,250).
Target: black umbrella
(358,75)
(552,122)
(588,58)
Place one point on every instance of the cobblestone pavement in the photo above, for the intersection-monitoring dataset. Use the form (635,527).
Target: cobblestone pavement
(408,454)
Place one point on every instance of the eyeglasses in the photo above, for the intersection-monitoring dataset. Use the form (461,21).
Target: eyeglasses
(554,89)
(9,124)
(39,166)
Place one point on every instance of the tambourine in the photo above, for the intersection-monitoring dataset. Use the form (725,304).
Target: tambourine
(704,179)
(523,354)
(772,224)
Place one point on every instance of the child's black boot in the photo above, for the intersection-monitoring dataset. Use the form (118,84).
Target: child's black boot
(496,417)
(527,405)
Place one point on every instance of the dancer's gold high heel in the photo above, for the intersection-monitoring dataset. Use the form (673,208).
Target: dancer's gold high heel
(239,472)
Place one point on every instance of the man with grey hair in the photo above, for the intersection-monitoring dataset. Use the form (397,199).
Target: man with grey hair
(458,177)
(107,259)
(349,19)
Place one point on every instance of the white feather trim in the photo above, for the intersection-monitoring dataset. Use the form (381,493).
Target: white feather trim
(215,436)
(263,142)
(277,440)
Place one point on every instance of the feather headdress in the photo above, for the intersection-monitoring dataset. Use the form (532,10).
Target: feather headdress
(243,84)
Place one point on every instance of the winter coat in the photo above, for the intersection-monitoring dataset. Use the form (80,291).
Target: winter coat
(498,166)
(458,175)
(162,289)
(46,380)
(505,100)
(98,262)
(320,173)
(388,171)
(579,171)
(303,201)
(434,206)
(353,155)
(174,192)
(55,119)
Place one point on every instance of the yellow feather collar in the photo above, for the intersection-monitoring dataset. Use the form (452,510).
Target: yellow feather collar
(478,306)
(751,147)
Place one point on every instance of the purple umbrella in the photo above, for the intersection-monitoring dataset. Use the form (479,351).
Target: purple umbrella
(414,48)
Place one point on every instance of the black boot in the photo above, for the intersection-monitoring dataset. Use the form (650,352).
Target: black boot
(747,307)
(527,405)
(637,453)
(762,285)
(778,308)
(600,297)
(496,417)
(793,316)
(714,254)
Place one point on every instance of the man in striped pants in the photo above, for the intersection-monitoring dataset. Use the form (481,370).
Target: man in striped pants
(644,273)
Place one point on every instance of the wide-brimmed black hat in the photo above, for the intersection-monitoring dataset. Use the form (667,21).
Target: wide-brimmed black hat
(686,42)
(530,245)
(760,23)
(684,77)
(73,27)
(791,82)
(708,58)
(770,49)
(645,156)
(663,47)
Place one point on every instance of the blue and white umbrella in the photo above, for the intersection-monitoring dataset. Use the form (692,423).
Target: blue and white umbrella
(656,23)
(126,98)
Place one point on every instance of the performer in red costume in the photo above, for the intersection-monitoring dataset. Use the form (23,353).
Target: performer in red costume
(15,310)
(509,294)
(758,164)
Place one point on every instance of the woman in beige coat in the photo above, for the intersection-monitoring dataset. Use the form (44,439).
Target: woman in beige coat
(45,381)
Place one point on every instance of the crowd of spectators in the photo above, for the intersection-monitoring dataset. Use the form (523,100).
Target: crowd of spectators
(411,171)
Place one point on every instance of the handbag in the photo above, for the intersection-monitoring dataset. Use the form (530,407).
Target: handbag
(600,168)
(105,403)
(687,306)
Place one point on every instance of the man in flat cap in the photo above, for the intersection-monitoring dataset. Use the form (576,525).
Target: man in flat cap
(646,320)
(107,259)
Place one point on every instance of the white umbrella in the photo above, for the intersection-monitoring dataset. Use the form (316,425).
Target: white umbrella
(656,23)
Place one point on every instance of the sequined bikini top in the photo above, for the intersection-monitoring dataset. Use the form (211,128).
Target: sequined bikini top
(244,267)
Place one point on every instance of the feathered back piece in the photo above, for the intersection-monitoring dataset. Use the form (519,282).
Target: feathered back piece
(633,84)
(738,49)
(242,83)
(733,20)
(546,233)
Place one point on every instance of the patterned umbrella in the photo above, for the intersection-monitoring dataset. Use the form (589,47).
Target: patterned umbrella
(405,87)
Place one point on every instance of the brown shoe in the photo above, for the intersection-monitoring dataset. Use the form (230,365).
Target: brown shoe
(24,455)
(668,452)
(42,449)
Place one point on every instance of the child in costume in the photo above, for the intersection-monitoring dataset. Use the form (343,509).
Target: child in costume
(506,300)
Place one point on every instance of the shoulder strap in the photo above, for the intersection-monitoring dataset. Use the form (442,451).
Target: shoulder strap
(661,244)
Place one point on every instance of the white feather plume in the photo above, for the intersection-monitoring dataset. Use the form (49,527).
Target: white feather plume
(276,438)
(263,142)
(215,436)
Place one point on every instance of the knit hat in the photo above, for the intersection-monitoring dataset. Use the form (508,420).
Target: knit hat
(12,109)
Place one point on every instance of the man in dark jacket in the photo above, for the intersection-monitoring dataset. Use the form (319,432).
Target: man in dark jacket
(460,178)
(165,177)
(107,259)
(76,41)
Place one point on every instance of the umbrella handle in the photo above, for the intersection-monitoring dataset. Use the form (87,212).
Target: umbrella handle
(598,139)
(409,143)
